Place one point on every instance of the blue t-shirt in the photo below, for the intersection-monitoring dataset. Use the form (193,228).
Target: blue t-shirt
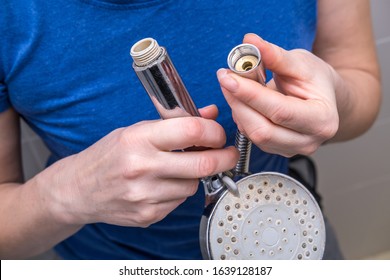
(65,68)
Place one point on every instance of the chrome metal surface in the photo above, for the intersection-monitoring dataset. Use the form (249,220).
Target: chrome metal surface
(244,147)
(169,95)
(245,60)
(164,85)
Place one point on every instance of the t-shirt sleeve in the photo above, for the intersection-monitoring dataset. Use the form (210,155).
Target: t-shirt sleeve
(4,100)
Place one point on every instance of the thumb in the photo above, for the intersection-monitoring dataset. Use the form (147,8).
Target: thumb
(274,58)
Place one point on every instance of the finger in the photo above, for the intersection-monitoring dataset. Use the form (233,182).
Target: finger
(163,209)
(180,133)
(268,136)
(274,58)
(271,85)
(237,122)
(283,110)
(189,165)
(209,112)
(150,214)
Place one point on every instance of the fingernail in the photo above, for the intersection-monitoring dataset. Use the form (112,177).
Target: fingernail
(254,34)
(226,80)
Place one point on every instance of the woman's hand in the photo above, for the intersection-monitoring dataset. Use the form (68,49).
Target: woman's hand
(135,176)
(296,112)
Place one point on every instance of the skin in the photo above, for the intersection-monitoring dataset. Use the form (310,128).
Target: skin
(122,178)
(331,95)
(114,181)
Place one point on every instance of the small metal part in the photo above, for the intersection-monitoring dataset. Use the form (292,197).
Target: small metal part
(244,147)
(245,60)
(231,185)
(246,63)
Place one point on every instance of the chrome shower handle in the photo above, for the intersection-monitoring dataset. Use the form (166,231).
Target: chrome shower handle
(169,95)
(161,80)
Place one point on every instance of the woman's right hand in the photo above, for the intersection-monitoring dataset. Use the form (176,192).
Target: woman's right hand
(135,176)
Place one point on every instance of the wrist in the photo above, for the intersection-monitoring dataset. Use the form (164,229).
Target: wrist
(56,187)
(358,101)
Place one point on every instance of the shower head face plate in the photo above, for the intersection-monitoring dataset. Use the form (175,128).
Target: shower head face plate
(275,217)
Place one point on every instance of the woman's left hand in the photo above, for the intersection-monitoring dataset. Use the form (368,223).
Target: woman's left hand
(296,112)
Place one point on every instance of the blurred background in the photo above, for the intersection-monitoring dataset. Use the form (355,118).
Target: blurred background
(354,177)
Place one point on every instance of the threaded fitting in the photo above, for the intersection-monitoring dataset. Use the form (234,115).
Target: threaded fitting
(145,51)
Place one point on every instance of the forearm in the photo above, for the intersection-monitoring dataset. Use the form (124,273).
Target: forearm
(345,41)
(358,95)
(31,222)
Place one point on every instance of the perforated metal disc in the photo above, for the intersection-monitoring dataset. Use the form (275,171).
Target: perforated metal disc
(275,217)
